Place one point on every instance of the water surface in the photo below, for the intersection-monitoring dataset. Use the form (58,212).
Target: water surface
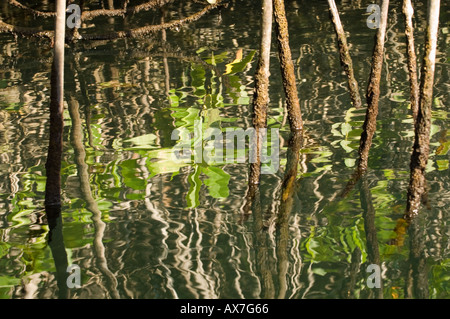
(140,225)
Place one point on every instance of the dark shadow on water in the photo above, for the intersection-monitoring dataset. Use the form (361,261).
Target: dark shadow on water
(262,250)
(55,241)
(373,251)
(417,276)
(289,188)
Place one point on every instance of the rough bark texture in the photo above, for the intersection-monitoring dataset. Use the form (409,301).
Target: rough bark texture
(408,11)
(372,98)
(421,148)
(373,90)
(261,93)
(287,67)
(344,54)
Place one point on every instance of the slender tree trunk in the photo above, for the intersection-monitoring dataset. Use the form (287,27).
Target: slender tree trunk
(287,67)
(55,148)
(421,148)
(261,93)
(346,60)
(373,90)
(372,98)
(53,164)
(408,11)
(253,197)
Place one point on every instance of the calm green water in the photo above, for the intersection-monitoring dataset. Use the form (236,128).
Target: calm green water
(140,225)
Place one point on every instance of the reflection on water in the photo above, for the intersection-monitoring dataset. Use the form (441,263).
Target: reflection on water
(140,225)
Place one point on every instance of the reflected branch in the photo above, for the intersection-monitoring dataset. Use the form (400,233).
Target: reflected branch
(90,14)
(35,12)
(356,176)
(56,243)
(83,174)
(144,31)
(286,204)
(153,4)
(132,33)
(373,252)
(350,281)
(23,31)
(261,247)
(165,62)
(416,285)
